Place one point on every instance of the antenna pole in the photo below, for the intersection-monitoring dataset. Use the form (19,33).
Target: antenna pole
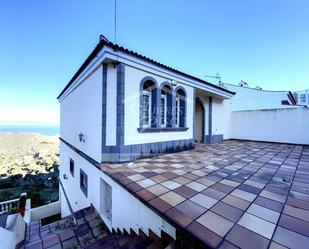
(115,22)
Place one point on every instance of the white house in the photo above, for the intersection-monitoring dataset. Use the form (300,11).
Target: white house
(248,98)
(121,106)
(303,97)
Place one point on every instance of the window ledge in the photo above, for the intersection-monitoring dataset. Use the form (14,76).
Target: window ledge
(161,129)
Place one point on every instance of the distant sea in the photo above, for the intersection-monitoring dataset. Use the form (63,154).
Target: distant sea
(43,129)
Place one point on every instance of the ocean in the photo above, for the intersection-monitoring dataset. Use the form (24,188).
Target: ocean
(43,129)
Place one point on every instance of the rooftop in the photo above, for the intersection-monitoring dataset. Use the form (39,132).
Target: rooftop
(105,42)
(237,193)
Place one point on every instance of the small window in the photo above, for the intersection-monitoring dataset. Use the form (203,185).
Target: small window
(84,182)
(72,167)
(177,111)
(163,110)
(146,109)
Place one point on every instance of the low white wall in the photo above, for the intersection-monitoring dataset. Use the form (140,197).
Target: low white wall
(127,211)
(7,239)
(274,125)
(45,211)
(14,232)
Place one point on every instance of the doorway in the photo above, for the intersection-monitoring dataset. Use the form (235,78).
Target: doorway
(199,124)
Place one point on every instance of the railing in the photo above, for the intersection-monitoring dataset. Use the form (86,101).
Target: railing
(7,205)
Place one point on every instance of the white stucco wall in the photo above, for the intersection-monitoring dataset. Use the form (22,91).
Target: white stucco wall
(254,99)
(276,125)
(127,211)
(133,78)
(81,111)
(45,211)
(221,111)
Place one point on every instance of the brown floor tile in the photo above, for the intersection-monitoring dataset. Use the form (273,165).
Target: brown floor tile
(246,239)
(182,180)
(236,202)
(294,224)
(214,193)
(191,176)
(267,203)
(159,204)
(206,182)
(227,245)
(178,217)
(191,209)
(274,245)
(134,187)
(296,212)
(298,203)
(229,212)
(222,188)
(250,189)
(145,194)
(185,191)
(158,178)
(202,233)
(273,196)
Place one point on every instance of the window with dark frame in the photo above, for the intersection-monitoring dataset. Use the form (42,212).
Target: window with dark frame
(84,182)
(72,167)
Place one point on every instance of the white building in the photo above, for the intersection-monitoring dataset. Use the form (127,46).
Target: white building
(247,98)
(303,97)
(121,106)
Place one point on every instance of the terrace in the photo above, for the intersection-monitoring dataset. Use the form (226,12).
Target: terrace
(235,194)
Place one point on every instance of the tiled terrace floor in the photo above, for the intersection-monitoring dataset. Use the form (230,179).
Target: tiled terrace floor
(235,194)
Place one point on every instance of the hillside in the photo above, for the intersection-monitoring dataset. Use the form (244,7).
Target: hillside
(27,153)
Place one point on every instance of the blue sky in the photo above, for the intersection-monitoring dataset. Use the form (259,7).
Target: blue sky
(43,43)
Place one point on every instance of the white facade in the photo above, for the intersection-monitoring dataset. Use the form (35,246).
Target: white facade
(81,112)
(127,211)
(247,98)
(132,88)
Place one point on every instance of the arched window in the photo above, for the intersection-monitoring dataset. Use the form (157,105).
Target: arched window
(148,103)
(180,107)
(166,105)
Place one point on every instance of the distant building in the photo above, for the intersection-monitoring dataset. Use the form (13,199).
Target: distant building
(248,98)
(302,97)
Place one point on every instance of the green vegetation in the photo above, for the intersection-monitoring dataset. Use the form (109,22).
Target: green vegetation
(29,163)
